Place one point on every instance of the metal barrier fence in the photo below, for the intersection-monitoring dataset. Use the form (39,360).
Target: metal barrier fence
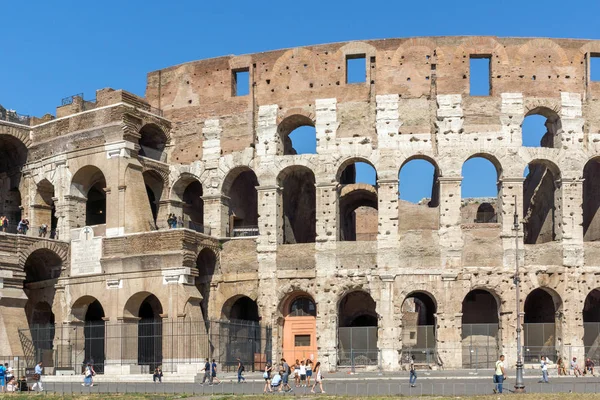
(332,387)
(147,344)
(244,231)
(357,346)
(480,345)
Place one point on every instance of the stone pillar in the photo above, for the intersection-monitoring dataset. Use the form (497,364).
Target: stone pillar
(388,337)
(572,221)
(327,226)
(216,214)
(268,142)
(387,121)
(327,324)
(448,339)
(269,207)
(211,143)
(511,117)
(570,134)
(326,125)
(511,190)
(387,212)
(451,241)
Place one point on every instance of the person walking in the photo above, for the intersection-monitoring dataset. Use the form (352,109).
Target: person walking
(207,373)
(240,371)
(308,371)
(3,371)
(267,378)
(39,370)
(544,367)
(575,367)
(499,374)
(319,378)
(213,372)
(413,372)
(87,376)
(286,376)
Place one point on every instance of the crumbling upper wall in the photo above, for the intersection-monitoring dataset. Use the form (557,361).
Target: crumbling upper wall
(415,68)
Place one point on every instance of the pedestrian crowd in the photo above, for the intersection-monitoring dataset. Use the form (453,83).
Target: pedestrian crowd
(278,379)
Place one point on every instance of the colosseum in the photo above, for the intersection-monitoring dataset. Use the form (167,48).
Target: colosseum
(184,225)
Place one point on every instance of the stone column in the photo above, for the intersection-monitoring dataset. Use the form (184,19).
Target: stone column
(388,337)
(511,117)
(387,237)
(216,214)
(572,221)
(451,241)
(570,133)
(327,227)
(268,142)
(327,324)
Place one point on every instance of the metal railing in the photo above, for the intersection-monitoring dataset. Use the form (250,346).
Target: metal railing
(34,231)
(201,228)
(14,117)
(147,344)
(69,99)
(156,111)
(244,231)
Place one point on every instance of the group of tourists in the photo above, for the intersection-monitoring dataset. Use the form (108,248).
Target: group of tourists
(8,380)
(277,380)
(174,222)
(210,372)
(574,367)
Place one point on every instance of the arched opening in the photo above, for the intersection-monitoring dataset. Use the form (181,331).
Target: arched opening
(480,329)
(419,195)
(358,202)
(44,211)
(479,191)
(152,142)
(540,325)
(188,190)
(357,330)
(591,324)
(94,336)
(88,193)
(206,264)
(154,188)
(540,128)
(241,330)
(591,200)
(418,327)
(299,219)
(13,156)
(150,332)
(299,327)
(541,194)
(240,187)
(298,135)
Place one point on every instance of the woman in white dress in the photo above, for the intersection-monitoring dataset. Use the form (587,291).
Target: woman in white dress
(319,378)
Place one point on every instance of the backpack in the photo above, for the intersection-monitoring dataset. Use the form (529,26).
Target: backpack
(242,369)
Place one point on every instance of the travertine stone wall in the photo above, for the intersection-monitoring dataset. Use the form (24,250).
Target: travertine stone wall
(413,104)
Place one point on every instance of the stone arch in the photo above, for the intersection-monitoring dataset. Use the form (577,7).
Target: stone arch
(297,220)
(358,205)
(88,193)
(366,307)
(240,307)
(535,46)
(60,249)
(542,194)
(23,135)
(480,329)
(152,142)
(484,45)
(298,57)
(352,160)
(240,188)
(492,159)
(542,322)
(419,310)
(294,119)
(131,309)
(298,325)
(591,200)
(79,308)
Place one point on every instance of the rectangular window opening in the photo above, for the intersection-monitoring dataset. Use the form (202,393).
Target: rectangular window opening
(356,68)
(480,83)
(240,82)
(301,340)
(595,67)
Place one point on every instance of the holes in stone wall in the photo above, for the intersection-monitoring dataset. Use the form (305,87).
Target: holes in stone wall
(240,82)
(480,83)
(356,68)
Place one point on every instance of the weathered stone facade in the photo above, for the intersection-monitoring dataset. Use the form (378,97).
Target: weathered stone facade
(224,163)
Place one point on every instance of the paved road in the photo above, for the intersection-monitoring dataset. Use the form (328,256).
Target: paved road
(358,387)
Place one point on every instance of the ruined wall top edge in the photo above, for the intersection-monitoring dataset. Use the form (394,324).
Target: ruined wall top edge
(412,68)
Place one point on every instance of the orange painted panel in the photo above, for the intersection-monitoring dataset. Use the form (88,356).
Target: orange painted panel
(293,326)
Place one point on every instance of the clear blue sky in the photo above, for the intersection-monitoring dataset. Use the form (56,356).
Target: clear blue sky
(51,50)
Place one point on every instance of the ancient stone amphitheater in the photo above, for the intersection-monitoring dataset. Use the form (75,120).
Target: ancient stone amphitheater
(277,253)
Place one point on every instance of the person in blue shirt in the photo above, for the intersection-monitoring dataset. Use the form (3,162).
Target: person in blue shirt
(213,372)
(38,384)
(276,382)
(2,377)
(206,373)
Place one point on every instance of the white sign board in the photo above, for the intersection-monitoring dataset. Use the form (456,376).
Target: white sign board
(85,253)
